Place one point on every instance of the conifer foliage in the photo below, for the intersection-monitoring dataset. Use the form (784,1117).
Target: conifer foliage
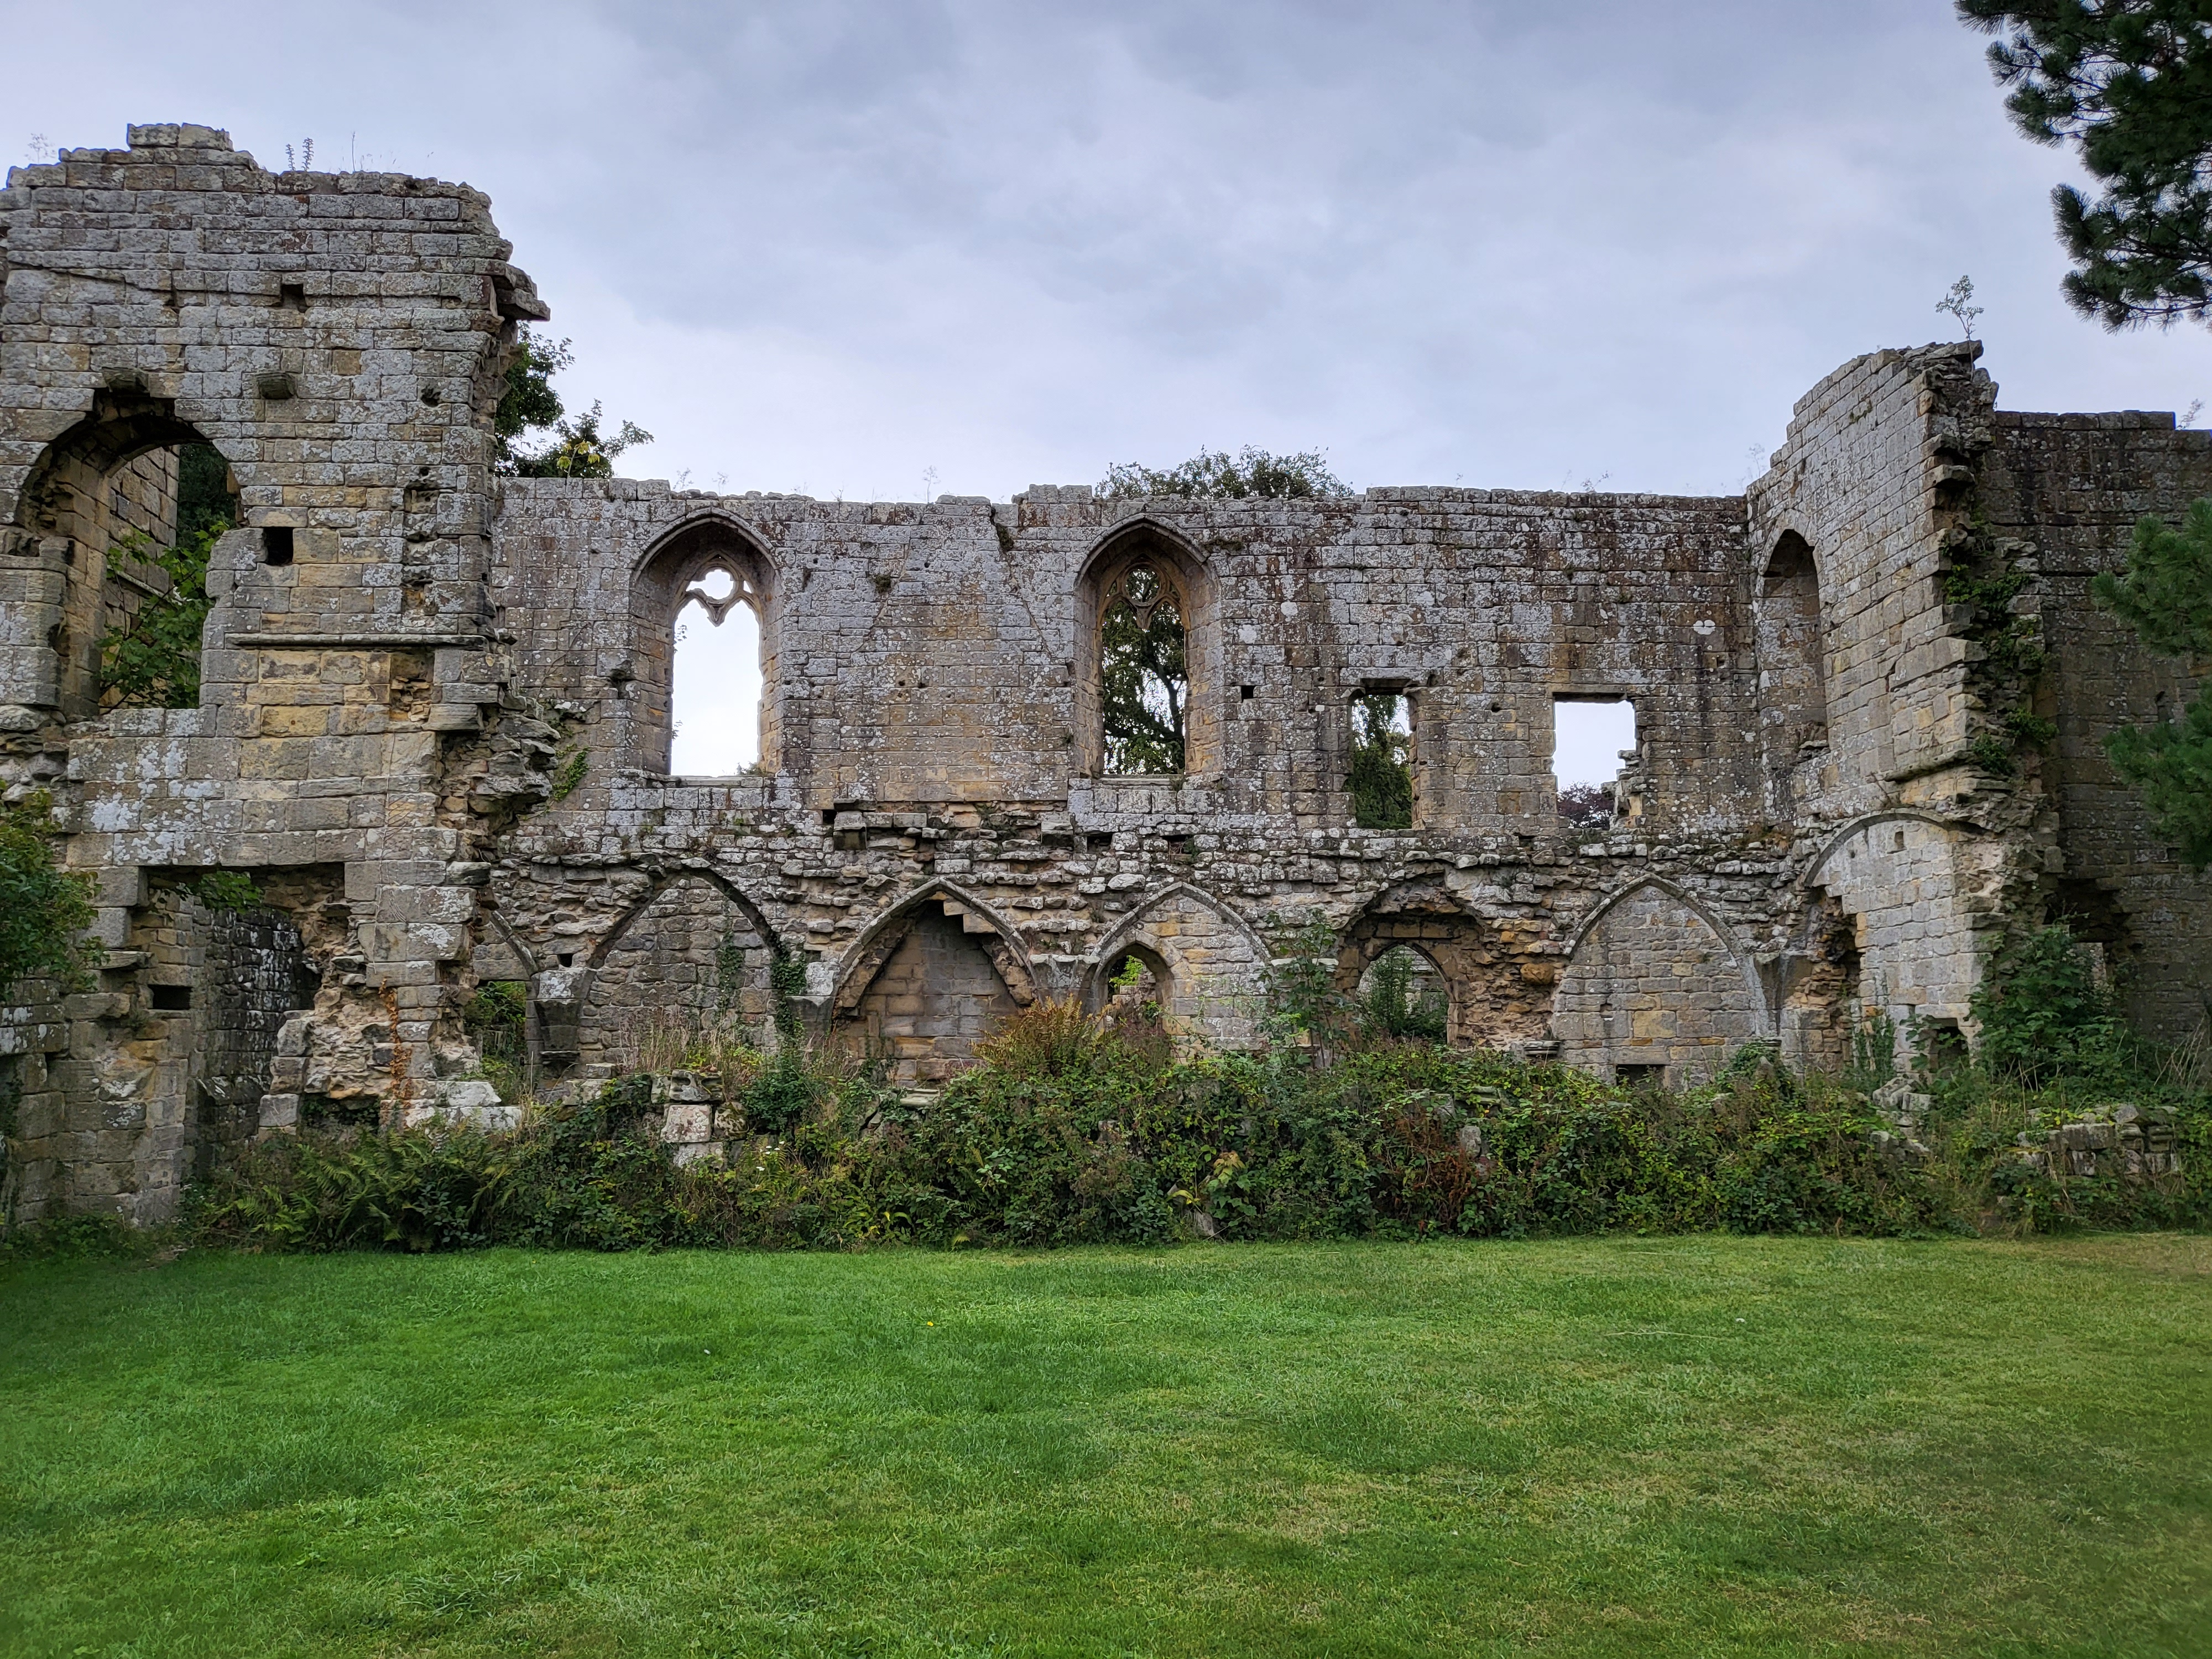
(2165,595)
(2129,83)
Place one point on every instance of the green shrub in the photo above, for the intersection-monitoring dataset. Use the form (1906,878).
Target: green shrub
(2043,1013)
(1079,1128)
(44,910)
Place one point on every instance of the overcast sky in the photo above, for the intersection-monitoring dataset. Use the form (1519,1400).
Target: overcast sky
(885,250)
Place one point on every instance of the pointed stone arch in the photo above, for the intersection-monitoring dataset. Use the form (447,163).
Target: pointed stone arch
(1655,979)
(1214,962)
(1866,821)
(1909,888)
(1494,980)
(672,573)
(1134,540)
(928,980)
(693,948)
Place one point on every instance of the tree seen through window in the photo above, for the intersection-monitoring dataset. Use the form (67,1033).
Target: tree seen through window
(1382,781)
(1144,680)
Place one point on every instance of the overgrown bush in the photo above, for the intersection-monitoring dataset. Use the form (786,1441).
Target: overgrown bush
(1088,1128)
(43,909)
(2043,1014)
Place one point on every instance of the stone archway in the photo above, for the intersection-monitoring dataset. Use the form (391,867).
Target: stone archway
(98,510)
(1213,965)
(928,982)
(1497,987)
(691,959)
(1653,988)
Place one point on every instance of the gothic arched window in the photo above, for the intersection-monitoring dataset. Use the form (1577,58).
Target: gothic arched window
(699,688)
(1144,678)
(716,685)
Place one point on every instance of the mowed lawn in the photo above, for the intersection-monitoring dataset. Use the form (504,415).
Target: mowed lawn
(1707,1445)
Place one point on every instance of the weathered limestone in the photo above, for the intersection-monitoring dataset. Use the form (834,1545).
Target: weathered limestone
(434,719)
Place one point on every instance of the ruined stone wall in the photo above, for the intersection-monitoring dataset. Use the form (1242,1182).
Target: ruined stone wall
(339,339)
(434,726)
(923,653)
(2070,489)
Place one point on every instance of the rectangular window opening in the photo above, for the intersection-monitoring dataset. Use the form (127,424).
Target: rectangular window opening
(1640,1076)
(172,999)
(1593,739)
(292,296)
(276,544)
(1381,774)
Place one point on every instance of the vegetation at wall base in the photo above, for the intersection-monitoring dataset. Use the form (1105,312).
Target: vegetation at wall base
(1085,1129)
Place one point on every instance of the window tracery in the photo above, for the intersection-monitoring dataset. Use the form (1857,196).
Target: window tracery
(1144,673)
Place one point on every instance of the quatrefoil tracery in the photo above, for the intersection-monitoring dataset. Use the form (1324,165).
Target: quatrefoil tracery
(738,590)
(1143,589)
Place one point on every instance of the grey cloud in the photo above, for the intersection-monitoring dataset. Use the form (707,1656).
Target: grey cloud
(841,242)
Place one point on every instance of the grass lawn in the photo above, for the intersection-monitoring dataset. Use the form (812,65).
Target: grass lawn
(1704,1445)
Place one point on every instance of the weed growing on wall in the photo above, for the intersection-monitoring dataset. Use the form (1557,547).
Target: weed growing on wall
(44,910)
(2165,595)
(154,662)
(227,889)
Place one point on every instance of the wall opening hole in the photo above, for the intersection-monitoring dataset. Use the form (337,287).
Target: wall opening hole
(1640,1076)
(1144,678)
(291,297)
(276,544)
(160,517)
(170,998)
(1135,986)
(1402,995)
(1244,692)
(714,709)
(1381,774)
(1943,1044)
(1591,737)
(566,958)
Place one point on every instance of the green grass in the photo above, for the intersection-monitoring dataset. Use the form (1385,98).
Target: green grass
(1704,1445)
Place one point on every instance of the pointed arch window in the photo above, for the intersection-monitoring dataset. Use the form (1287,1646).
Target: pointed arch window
(1146,676)
(700,680)
(1143,673)
(716,683)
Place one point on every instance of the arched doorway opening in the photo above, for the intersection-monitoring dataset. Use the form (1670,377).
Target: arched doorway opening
(1404,994)
(126,507)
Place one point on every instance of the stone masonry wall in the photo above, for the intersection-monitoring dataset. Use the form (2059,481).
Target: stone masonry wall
(436,706)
